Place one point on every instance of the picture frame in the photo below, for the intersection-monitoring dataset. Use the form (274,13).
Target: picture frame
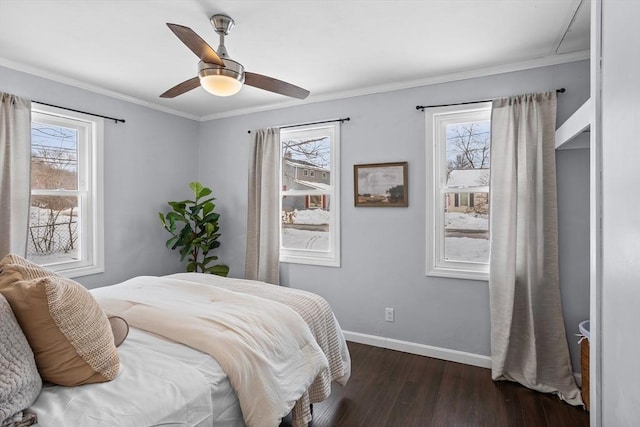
(381,185)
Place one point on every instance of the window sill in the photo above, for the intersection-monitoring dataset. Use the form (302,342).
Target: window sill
(328,262)
(73,272)
(459,274)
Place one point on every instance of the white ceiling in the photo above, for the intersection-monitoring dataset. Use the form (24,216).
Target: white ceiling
(333,48)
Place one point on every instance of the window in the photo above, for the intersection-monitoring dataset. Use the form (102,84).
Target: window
(65,226)
(458,153)
(310,226)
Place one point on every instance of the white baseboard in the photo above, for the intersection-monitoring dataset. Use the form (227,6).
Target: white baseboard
(420,349)
(427,350)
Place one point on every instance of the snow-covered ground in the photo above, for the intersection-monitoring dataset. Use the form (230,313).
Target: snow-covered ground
(466,249)
(39,217)
(315,240)
(464,221)
(305,239)
(311,216)
(456,248)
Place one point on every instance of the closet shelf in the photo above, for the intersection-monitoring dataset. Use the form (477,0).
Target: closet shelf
(579,122)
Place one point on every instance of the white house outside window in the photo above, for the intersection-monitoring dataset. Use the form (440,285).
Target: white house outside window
(458,154)
(65,226)
(309,196)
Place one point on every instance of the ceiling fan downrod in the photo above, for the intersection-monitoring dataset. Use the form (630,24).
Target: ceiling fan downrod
(222,24)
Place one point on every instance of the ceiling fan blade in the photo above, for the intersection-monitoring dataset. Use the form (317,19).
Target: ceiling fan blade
(181,88)
(196,44)
(274,85)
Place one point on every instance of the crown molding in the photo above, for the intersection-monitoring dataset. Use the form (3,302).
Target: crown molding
(29,69)
(444,78)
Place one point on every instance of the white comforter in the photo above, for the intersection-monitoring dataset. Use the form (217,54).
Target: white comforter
(318,315)
(264,347)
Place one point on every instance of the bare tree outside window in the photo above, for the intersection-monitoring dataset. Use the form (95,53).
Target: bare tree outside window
(316,151)
(54,166)
(468,153)
(468,146)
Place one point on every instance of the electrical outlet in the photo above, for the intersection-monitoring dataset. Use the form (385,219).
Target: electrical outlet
(389,314)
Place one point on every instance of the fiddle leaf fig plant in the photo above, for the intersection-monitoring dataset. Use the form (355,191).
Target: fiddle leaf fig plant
(194,229)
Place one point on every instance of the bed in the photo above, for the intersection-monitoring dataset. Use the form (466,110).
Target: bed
(192,357)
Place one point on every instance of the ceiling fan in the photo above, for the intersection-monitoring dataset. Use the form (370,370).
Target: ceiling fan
(219,74)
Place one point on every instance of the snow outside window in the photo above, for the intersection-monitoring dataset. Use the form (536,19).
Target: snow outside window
(458,153)
(309,196)
(65,226)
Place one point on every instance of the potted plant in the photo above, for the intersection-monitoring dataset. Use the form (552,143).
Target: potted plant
(194,229)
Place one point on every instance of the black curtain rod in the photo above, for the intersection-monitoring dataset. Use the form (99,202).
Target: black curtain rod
(346,119)
(422,107)
(83,112)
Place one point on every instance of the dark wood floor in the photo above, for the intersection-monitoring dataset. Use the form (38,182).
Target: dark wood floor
(390,388)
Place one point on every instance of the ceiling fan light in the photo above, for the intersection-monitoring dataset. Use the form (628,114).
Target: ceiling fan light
(221,81)
(220,85)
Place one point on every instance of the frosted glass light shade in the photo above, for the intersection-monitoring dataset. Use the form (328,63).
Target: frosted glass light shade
(220,85)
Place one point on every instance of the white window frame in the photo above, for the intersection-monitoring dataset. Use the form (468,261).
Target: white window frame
(90,190)
(330,258)
(436,120)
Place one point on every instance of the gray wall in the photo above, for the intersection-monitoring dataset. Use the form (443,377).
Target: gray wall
(573,240)
(383,250)
(147,161)
(620,318)
(150,159)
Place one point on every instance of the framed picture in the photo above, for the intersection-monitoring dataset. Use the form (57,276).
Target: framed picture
(381,185)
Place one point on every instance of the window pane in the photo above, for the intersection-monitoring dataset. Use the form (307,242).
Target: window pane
(310,195)
(306,222)
(466,227)
(466,215)
(54,157)
(468,145)
(53,229)
(303,157)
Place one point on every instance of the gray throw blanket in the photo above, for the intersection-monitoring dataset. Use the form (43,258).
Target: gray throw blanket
(20,382)
(21,419)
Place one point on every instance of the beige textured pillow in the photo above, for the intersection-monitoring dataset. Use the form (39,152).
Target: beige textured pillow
(67,330)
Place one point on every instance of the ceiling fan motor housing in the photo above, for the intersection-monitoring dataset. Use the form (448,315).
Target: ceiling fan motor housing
(222,23)
(231,69)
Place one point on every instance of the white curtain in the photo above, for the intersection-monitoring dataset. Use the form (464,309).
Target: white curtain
(263,238)
(15,178)
(528,341)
